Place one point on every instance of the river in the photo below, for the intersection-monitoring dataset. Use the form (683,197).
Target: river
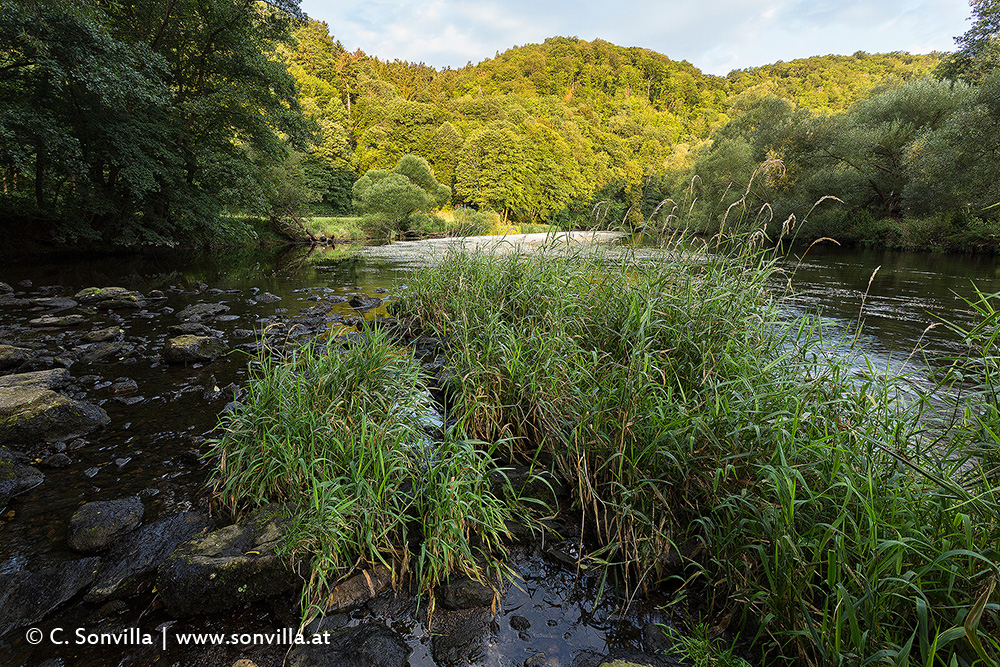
(151,445)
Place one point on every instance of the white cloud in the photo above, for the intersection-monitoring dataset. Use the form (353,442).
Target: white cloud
(714,35)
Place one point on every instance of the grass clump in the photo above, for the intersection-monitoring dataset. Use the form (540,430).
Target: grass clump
(833,522)
(338,435)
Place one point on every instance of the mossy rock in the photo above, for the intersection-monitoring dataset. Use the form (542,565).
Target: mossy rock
(110,297)
(190,348)
(29,415)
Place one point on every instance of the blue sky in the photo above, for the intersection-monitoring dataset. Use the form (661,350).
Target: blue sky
(716,36)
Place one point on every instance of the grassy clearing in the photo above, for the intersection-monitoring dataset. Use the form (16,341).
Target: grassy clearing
(344,228)
(828,520)
(338,435)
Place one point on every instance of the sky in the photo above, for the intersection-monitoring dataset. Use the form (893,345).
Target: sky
(717,36)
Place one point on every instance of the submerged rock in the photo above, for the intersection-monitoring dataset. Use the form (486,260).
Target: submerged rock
(95,525)
(128,568)
(35,415)
(188,348)
(365,645)
(114,298)
(228,567)
(15,477)
(27,597)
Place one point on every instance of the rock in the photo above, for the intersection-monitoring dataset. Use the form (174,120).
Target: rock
(12,357)
(57,321)
(519,623)
(202,310)
(103,335)
(624,658)
(35,415)
(188,348)
(97,352)
(95,525)
(266,297)
(55,302)
(51,379)
(536,660)
(228,567)
(27,597)
(365,645)
(463,592)
(124,386)
(359,588)
(110,297)
(194,328)
(5,288)
(15,477)
(129,566)
(59,460)
(363,302)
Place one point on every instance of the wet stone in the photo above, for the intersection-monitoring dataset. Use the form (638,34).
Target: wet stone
(363,302)
(36,415)
(48,379)
(113,298)
(190,348)
(129,566)
(28,597)
(95,525)
(463,592)
(199,311)
(55,302)
(57,321)
(59,460)
(98,352)
(5,288)
(15,477)
(13,357)
(365,645)
(103,335)
(266,297)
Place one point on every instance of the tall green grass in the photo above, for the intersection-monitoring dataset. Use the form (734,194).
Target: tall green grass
(835,523)
(337,434)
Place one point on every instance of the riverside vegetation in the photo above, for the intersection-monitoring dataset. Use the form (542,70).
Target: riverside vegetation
(113,138)
(712,449)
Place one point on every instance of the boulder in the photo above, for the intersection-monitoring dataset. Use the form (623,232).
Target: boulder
(266,297)
(12,357)
(129,566)
(15,477)
(365,645)
(40,415)
(55,302)
(27,597)
(50,379)
(188,348)
(114,298)
(228,567)
(93,353)
(95,525)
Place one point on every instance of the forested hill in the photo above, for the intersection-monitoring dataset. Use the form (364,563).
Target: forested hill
(831,83)
(543,132)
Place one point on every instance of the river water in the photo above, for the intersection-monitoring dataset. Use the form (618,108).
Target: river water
(150,447)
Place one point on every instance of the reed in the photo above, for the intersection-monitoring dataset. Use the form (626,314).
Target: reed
(829,520)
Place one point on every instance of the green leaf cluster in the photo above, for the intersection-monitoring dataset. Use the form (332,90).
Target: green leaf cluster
(390,199)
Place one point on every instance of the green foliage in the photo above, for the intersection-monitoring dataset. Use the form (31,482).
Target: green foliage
(337,435)
(978,52)
(389,200)
(842,524)
(142,123)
